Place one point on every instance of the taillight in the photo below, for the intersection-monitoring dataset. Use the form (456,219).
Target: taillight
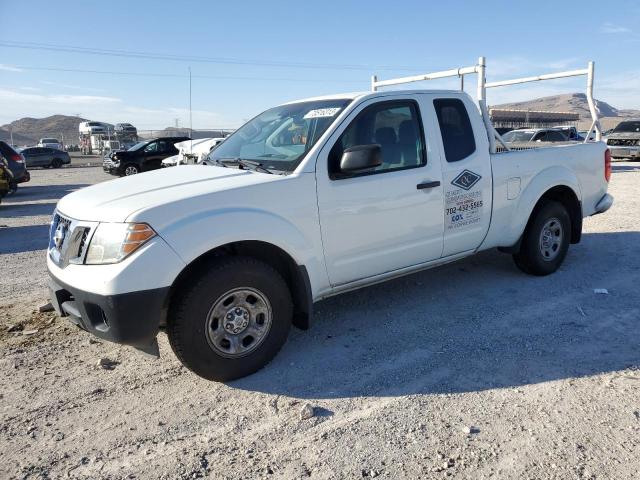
(607,165)
(17,158)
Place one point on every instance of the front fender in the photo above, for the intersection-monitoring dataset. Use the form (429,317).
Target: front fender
(532,193)
(201,232)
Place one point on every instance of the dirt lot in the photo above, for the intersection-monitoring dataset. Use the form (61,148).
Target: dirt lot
(472,370)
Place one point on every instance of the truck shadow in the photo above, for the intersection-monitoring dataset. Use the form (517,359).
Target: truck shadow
(24,239)
(42,192)
(472,325)
(16,210)
(625,168)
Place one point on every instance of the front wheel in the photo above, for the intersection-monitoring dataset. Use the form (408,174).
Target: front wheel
(546,240)
(131,170)
(56,163)
(231,320)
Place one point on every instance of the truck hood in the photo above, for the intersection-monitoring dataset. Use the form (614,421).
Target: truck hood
(116,200)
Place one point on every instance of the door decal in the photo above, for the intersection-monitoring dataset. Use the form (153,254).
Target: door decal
(463,208)
(466,179)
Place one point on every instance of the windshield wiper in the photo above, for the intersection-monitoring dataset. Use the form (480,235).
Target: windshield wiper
(245,164)
(216,161)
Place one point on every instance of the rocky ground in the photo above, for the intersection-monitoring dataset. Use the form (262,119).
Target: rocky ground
(471,370)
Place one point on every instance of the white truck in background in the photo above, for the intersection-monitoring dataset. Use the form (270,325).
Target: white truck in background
(307,200)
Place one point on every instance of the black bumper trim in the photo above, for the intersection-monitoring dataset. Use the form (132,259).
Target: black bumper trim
(129,318)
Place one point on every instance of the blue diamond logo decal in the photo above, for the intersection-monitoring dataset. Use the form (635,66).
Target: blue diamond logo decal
(466,179)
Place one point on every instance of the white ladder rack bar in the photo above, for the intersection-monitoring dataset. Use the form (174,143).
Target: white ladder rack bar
(537,78)
(457,72)
(479,68)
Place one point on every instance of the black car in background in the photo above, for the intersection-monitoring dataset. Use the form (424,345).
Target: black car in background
(45,157)
(142,157)
(16,165)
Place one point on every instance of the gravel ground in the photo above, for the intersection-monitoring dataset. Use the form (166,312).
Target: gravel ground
(471,370)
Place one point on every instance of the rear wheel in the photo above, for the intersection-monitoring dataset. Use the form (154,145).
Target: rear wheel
(131,170)
(56,163)
(232,319)
(546,240)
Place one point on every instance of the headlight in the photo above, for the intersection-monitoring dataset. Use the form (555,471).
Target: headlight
(112,242)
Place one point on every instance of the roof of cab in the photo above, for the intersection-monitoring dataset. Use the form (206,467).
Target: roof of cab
(379,93)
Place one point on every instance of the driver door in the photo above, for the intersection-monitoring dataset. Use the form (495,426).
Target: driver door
(390,217)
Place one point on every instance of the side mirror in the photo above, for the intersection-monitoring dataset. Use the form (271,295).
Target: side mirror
(360,157)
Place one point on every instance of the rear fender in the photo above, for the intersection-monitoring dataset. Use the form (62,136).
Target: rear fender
(540,184)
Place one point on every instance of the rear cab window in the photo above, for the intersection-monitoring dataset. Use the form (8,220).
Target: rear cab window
(455,127)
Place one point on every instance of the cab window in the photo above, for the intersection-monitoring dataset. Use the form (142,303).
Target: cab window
(151,148)
(395,126)
(455,127)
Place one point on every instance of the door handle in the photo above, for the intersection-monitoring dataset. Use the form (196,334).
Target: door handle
(423,185)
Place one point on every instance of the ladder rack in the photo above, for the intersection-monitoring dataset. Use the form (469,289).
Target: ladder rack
(482,85)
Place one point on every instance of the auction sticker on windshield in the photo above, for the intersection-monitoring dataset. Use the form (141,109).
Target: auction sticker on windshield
(321,112)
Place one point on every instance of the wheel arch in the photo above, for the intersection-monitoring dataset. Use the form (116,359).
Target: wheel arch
(295,275)
(564,195)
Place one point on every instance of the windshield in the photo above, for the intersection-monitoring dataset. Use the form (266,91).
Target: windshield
(137,146)
(280,137)
(49,140)
(517,136)
(627,127)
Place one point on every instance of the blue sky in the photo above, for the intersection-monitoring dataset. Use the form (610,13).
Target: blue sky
(246,56)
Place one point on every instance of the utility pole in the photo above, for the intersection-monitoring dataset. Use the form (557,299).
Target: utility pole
(190,114)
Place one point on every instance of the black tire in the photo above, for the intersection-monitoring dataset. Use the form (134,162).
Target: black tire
(188,317)
(56,163)
(130,169)
(531,258)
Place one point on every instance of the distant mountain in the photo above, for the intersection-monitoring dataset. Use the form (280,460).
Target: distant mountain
(18,139)
(571,102)
(27,131)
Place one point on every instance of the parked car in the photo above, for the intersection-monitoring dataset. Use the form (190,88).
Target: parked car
(192,151)
(570,132)
(503,130)
(93,128)
(142,157)
(592,135)
(527,135)
(6,178)
(624,140)
(125,128)
(50,143)
(308,200)
(17,165)
(45,157)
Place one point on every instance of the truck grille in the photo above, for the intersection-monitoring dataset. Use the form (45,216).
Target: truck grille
(69,240)
(623,142)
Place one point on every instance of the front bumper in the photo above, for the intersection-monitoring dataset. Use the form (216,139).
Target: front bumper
(132,318)
(25,178)
(112,168)
(631,151)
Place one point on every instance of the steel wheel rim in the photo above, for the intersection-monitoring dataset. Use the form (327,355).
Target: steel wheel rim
(551,239)
(238,322)
(130,171)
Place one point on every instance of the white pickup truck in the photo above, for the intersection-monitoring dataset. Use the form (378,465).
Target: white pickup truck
(307,200)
